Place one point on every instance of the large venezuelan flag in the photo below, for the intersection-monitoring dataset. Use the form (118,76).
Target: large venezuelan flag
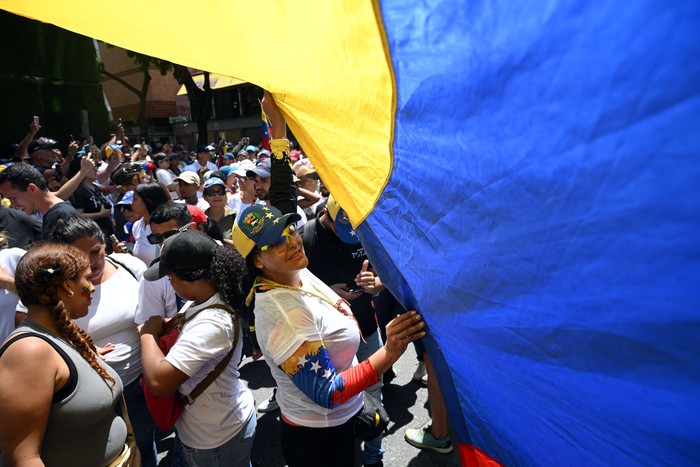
(525,174)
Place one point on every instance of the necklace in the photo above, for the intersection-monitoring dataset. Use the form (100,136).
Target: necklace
(262,285)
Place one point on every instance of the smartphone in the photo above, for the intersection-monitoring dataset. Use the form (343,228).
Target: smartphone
(113,238)
(36,119)
(355,290)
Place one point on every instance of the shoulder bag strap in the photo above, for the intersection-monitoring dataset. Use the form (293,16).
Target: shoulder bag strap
(125,416)
(119,263)
(204,384)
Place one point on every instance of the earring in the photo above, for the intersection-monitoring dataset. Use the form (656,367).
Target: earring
(70,294)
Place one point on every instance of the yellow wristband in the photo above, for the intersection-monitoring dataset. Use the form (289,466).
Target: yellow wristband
(280,148)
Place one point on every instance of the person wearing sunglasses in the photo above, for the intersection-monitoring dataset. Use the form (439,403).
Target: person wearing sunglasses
(307,333)
(147,196)
(216,195)
(158,298)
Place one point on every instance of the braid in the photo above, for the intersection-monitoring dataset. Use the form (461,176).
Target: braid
(38,277)
(78,338)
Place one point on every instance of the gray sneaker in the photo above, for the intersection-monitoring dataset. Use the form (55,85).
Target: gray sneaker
(270,404)
(422,438)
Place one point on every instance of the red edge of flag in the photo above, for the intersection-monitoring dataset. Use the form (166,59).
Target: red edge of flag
(471,456)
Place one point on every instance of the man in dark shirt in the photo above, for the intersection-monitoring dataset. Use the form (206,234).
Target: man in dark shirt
(20,229)
(26,189)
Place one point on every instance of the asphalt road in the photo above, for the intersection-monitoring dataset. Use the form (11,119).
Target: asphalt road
(405,400)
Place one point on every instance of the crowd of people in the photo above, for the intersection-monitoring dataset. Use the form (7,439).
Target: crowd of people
(102,246)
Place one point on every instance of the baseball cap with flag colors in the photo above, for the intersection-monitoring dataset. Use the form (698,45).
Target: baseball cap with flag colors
(259,225)
(342,223)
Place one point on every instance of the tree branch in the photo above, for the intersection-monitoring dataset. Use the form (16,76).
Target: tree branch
(120,81)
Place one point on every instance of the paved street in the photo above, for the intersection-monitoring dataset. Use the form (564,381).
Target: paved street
(406,403)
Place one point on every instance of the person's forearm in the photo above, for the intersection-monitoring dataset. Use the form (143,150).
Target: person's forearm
(103,176)
(315,375)
(70,186)
(95,215)
(282,187)
(310,198)
(383,359)
(153,364)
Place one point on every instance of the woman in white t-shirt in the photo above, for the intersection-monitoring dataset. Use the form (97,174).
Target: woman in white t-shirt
(110,319)
(147,196)
(218,427)
(307,333)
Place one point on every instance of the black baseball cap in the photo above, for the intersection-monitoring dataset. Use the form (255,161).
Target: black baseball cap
(187,250)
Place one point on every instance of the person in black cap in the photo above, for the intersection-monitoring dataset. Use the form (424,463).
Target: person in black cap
(203,160)
(42,153)
(221,421)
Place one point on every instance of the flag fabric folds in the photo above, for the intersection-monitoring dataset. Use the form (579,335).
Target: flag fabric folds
(523,174)
(266,129)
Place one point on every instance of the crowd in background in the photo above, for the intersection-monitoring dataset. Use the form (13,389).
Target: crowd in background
(118,203)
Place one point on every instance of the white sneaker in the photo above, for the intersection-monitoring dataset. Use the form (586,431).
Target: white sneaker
(270,404)
(421,373)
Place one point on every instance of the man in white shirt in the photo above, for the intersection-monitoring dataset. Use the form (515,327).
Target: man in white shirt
(203,160)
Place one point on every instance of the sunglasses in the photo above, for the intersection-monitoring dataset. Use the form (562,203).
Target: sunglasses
(220,192)
(155,239)
(289,235)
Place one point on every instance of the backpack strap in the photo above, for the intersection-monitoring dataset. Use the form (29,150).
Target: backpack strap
(206,382)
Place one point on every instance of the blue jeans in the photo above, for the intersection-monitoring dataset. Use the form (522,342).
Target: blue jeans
(141,420)
(373,451)
(233,453)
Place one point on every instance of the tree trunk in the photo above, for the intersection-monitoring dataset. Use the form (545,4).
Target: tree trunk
(142,94)
(200,100)
(143,122)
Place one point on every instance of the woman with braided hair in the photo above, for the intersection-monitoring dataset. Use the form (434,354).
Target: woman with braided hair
(57,397)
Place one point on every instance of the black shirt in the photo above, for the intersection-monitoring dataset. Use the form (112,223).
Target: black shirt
(53,215)
(91,201)
(20,228)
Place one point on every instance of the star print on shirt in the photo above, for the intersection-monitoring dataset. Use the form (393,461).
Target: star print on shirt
(327,373)
(302,361)
(315,366)
(269,215)
(353,234)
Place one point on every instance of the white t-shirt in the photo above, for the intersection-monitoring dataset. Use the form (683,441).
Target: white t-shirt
(235,203)
(167,178)
(302,214)
(142,249)
(218,414)
(284,320)
(195,166)
(9,257)
(110,318)
(201,202)
(156,298)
